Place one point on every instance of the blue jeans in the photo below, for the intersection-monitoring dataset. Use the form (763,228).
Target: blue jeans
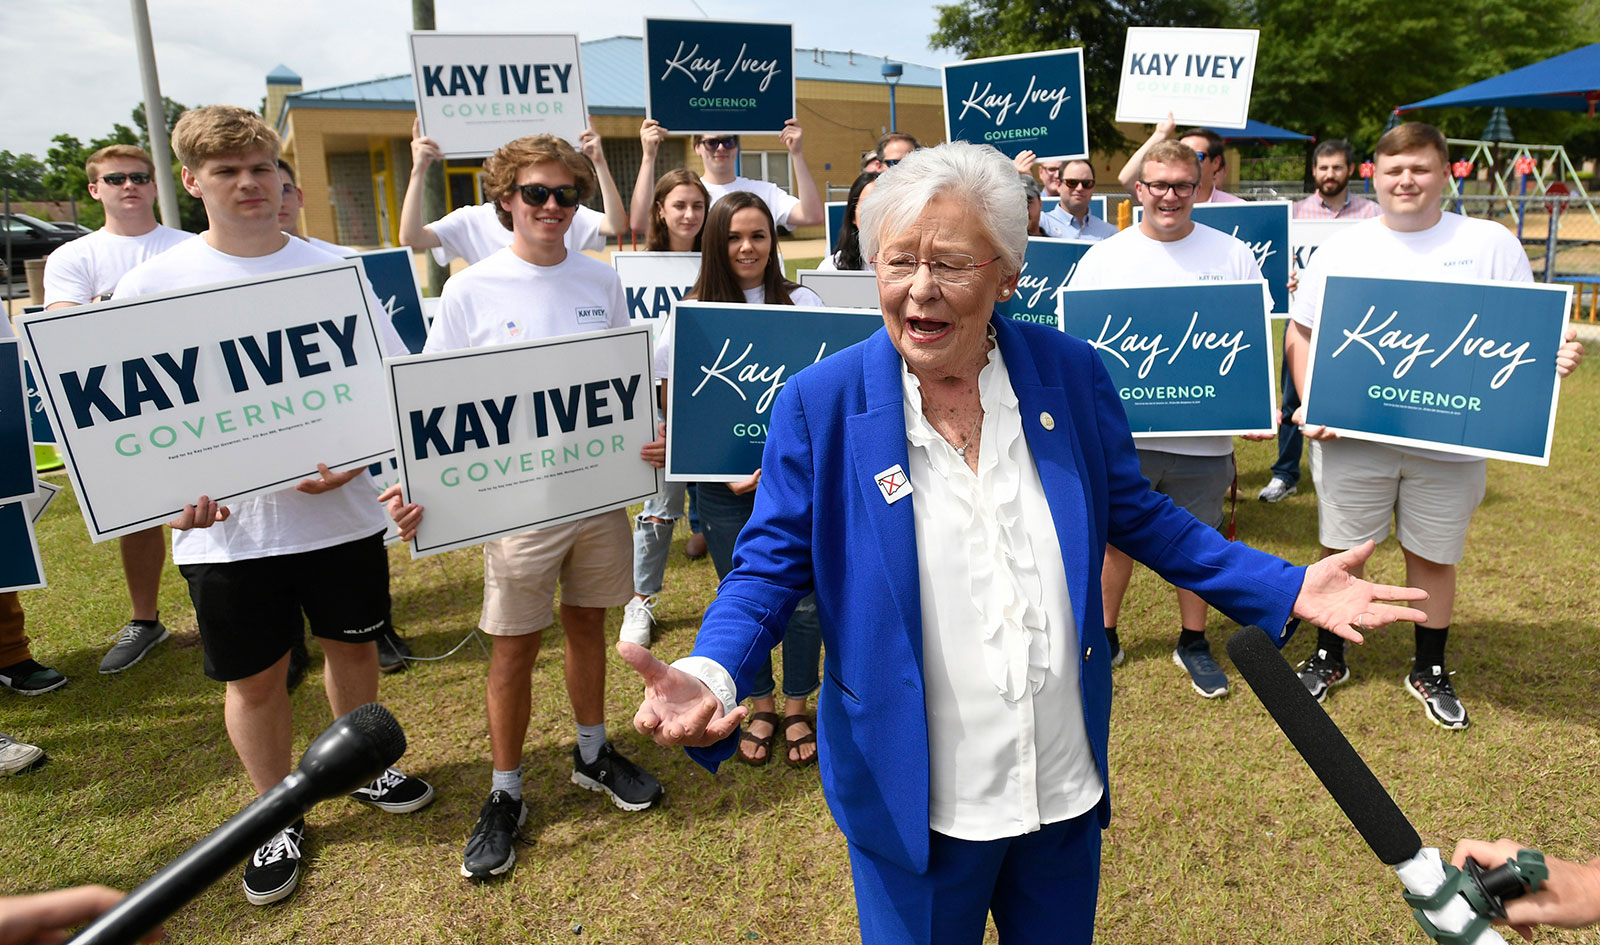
(1290,441)
(652,540)
(723,515)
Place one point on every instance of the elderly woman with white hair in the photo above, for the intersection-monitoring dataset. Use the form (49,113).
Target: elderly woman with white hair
(947,489)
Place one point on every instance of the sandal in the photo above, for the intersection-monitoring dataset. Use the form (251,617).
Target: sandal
(804,761)
(771,718)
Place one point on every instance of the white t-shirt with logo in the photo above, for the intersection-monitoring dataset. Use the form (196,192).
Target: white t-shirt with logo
(778,200)
(505,298)
(475,233)
(279,523)
(1131,259)
(89,267)
(1456,249)
(799,295)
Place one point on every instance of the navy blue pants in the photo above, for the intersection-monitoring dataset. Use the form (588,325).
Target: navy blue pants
(1041,887)
(1290,441)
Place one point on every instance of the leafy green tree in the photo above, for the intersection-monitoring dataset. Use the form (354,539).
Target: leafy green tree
(22,174)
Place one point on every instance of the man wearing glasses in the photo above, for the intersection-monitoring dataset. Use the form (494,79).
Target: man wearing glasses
(1207,145)
(1071,219)
(540,288)
(122,178)
(1169,248)
(720,154)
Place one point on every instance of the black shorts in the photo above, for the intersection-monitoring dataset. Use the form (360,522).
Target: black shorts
(249,611)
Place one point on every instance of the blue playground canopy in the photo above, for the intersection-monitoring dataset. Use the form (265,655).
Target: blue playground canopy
(1569,82)
(1260,131)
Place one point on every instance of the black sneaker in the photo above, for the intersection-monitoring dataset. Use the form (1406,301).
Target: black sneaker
(395,792)
(392,652)
(273,871)
(299,662)
(1322,672)
(1432,688)
(30,679)
(133,642)
(630,786)
(490,849)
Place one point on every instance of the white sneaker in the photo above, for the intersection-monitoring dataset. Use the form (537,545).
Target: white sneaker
(1276,491)
(18,756)
(638,619)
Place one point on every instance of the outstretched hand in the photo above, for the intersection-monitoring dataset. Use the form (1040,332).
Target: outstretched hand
(678,709)
(1334,599)
(47,917)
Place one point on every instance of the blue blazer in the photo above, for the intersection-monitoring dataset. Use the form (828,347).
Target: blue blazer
(821,523)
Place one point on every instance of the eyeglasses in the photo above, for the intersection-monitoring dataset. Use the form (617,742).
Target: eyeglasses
(117,180)
(1069,183)
(720,144)
(891,163)
(535,195)
(946,268)
(1160,187)
(1202,156)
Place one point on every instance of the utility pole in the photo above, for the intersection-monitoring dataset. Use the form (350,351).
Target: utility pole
(155,116)
(433,188)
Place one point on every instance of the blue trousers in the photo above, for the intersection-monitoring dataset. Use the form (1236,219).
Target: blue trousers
(1041,887)
(1290,440)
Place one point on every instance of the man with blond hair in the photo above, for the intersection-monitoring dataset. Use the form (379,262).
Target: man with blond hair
(538,287)
(122,178)
(258,571)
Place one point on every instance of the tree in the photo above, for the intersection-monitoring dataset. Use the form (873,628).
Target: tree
(23,175)
(979,28)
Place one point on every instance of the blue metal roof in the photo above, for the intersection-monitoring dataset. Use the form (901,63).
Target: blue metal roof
(283,75)
(613,79)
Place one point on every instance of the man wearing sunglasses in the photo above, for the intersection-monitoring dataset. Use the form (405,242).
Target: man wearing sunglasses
(1206,144)
(1169,248)
(720,155)
(1071,219)
(122,179)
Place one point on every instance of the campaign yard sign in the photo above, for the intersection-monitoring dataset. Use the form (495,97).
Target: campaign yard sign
(228,390)
(1201,76)
(476,91)
(1190,360)
(17,478)
(1047,267)
(1262,225)
(1462,367)
(393,276)
(834,222)
(1027,102)
(652,282)
(20,567)
(728,363)
(507,438)
(719,76)
(842,289)
(1307,236)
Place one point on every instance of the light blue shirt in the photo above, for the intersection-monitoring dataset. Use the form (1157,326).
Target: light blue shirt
(1059,224)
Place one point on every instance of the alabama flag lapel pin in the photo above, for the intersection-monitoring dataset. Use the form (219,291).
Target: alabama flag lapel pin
(894,484)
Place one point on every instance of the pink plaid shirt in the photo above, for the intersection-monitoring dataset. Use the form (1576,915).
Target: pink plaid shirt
(1355,208)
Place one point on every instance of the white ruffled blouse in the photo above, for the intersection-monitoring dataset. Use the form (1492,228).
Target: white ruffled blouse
(1007,745)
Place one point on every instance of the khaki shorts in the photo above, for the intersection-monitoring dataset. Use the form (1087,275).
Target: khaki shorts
(1360,484)
(592,558)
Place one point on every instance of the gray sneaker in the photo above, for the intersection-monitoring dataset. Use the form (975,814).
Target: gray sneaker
(133,642)
(1276,491)
(16,757)
(1206,676)
(1432,688)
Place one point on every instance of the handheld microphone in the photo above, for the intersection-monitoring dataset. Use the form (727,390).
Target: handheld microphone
(1451,906)
(351,752)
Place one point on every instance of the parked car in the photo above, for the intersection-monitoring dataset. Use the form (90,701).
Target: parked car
(31,238)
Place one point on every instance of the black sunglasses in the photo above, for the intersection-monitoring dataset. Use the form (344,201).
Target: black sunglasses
(714,144)
(117,180)
(535,195)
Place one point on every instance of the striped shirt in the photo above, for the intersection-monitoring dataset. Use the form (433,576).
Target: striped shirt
(1353,208)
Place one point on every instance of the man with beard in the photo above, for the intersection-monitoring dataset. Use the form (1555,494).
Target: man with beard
(1331,164)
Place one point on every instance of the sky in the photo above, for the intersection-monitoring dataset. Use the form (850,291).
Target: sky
(69,66)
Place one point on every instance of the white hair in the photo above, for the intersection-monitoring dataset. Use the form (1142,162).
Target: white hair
(975,174)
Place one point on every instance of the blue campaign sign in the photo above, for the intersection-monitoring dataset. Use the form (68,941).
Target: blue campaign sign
(42,432)
(1264,227)
(719,76)
(393,275)
(16,448)
(1187,360)
(1046,270)
(1029,102)
(835,222)
(20,569)
(728,363)
(1464,367)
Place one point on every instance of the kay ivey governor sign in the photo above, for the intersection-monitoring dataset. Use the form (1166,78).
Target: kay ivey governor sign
(1199,76)
(476,91)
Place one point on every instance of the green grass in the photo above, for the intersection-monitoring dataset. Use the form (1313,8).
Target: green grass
(1220,833)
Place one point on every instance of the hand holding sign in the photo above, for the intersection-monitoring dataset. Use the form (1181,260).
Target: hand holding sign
(1570,354)
(203,513)
(424,150)
(328,480)
(791,135)
(678,709)
(405,515)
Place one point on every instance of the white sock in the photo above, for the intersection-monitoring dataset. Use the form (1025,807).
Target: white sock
(508,781)
(591,738)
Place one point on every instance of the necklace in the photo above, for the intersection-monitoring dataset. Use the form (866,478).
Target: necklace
(962,449)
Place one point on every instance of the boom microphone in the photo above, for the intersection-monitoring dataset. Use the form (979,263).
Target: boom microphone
(351,752)
(1451,906)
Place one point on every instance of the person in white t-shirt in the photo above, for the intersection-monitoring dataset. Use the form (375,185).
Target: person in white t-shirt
(475,232)
(294,199)
(1206,144)
(122,179)
(720,155)
(539,288)
(1360,484)
(252,569)
(1168,247)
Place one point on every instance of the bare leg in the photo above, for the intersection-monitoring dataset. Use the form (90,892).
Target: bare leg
(143,555)
(1439,580)
(260,724)
(350,674)
(586,662)
(1191,610)
(1114,576)
(510,696)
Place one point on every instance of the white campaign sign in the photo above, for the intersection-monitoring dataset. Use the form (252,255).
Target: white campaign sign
(653,281)
(1307,236)
(508,438)
(476,91)
(842,289)
(229,390)
(1201,76)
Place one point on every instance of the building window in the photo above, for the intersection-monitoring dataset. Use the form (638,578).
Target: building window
(771,166)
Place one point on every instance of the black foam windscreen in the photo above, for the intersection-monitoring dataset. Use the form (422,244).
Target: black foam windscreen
(1353,786)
